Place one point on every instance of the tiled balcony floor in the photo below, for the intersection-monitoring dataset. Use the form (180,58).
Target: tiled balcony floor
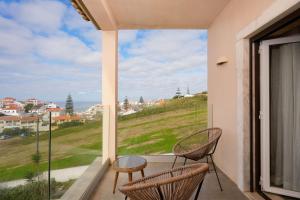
(210,189)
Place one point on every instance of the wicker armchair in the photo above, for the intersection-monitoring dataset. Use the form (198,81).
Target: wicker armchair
(175,184)
(201,144)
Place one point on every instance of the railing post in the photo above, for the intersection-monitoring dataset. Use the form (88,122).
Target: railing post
(210,116)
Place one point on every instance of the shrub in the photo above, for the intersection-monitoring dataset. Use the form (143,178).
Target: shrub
(30,191)
(70,124)
(16,131)
(203,97)
(36,158)
(29,176)
(35,190)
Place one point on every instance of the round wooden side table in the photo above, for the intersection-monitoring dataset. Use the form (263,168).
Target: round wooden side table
(128,164)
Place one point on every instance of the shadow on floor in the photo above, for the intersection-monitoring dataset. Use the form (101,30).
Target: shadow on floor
(210,189)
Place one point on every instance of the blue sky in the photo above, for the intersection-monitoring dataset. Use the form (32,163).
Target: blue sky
(48,51)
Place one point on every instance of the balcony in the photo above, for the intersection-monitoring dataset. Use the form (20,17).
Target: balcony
(231,27)
(210,188)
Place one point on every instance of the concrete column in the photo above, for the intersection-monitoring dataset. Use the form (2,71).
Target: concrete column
(109,93)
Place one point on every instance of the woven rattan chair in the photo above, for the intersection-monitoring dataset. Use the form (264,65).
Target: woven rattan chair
(175,184)
(201,144)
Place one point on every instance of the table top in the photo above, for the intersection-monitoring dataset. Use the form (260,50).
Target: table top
(129,164)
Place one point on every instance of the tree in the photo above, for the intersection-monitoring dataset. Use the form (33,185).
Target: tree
(188,90)
(11,132)
(28,107)
(69,105)
(126,104)
(177,94)
(141,100)
(37,157)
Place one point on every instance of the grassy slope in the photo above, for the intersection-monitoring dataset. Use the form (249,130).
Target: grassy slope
(153,131)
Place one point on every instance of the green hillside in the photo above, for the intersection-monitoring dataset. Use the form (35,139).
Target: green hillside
(152,131)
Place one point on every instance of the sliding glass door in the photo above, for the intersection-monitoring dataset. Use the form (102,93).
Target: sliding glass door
(280,115)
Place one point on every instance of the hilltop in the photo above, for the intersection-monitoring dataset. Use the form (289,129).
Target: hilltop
(154,130)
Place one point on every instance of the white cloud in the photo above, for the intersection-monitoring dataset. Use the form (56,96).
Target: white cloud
(40,15)
(66,48)
(172,44)
(19,39)
(15,39)
(74,21)
(42,57)
(52,52)
(127,36)
(87,31)
(160,61)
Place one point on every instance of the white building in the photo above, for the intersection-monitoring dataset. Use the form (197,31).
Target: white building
(18,122)
(55,112)
(128,112)
(7,100)
(18,104)
(33,101)
(9,111)
(188,95)
(52,105)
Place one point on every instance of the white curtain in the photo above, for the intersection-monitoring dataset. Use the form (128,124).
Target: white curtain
(285,116)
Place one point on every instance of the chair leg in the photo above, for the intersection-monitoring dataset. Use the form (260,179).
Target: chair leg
(207,163)
(216,172)
(174,162)
(184,161)
(115,182)
(198,190)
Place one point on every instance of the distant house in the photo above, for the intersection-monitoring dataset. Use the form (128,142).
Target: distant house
(160,102)
(15,105)
(12,109)
(9,111)
(18,122)
(7,100)
(67,118)
(52,105)
(128,112)
(33,101)
(55,112)
(92,112)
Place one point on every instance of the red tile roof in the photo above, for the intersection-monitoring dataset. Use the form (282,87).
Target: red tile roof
(12,106)
(9,118)
(29,119)
(18,118)
(9,98)
(54,109)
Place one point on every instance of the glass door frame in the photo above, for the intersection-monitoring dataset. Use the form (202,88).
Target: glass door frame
(264,51)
